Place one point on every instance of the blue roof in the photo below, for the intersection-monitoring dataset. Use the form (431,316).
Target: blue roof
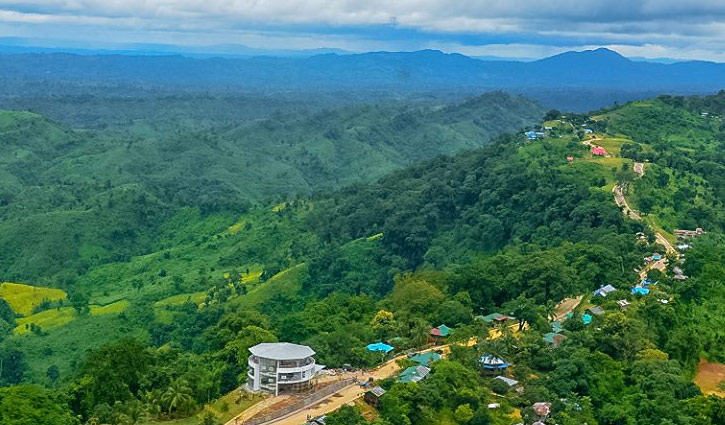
(490,361)
(380,346)
(586,319)
(640,290)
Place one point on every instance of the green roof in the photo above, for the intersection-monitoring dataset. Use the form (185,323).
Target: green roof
(489,317)
(413,374)
(426,359)
(441,331)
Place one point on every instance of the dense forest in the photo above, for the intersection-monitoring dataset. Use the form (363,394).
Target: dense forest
(158,261)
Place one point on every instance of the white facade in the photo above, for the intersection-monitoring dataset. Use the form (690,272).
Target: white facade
(281,367)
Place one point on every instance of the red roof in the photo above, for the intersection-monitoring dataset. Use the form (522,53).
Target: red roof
(570,158)
(598,150)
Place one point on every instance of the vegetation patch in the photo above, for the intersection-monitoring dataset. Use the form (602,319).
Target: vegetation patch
(114,308)
(45,320)
(24,298)
(181,299)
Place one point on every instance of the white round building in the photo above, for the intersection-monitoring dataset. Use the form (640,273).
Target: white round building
(280,367)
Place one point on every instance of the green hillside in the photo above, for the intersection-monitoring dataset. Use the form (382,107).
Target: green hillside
(165,296)
(73,200)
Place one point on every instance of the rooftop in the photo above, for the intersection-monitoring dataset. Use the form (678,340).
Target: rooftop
(281,351)
(426,359)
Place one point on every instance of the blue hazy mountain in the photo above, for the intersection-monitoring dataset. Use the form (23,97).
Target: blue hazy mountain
(603,73)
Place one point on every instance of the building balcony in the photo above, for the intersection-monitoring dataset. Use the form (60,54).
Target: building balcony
(296,367)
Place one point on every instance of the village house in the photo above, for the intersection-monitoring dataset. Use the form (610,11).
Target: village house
(439,333)
(679,274)
(604,291)
(599,151)
(414,374)
(493,365)
(680,233)
(596,310)
(372,397)
(280,367)
(623,304)
(495,317)
(508,381)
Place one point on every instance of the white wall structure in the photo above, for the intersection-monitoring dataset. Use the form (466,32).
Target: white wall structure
(276,367)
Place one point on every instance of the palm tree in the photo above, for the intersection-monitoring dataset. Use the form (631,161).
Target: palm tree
(549,310)
(177,396)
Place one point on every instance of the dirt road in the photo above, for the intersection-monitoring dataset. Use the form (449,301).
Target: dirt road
(566,306)
(621,202)
(639,168)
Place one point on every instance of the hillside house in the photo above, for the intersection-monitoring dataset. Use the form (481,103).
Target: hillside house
(604,291)
(508,381)
(623,304)
(280,367)
(414,374)
(439,334)
(680,233)
(542,409)
(639,290)
(426,359)
(554,339)
(372,397)
(599,151)
(533,135)
(495,317)
(492,364)
(596,310)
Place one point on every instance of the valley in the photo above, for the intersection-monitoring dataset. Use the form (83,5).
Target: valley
(171,274)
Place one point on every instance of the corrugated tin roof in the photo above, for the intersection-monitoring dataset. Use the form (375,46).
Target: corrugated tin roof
(281,351)
(377,391)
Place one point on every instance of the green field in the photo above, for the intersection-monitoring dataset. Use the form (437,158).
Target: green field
(24,298)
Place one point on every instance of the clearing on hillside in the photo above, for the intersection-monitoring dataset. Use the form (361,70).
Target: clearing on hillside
(24,298)
(48,319)
(709,377)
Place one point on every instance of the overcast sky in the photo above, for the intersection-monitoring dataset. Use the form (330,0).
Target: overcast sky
(679,29)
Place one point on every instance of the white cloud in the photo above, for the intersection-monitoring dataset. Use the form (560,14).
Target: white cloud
(674,26)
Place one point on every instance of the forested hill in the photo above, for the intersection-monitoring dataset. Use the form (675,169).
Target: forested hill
(115,189)
(514,227)
(572,80)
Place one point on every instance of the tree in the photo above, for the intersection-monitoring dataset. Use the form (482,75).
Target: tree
(346,415)
(12,366)
(177,397)
(524,309)
(383,323)
(32,405)
(79,301)
(52,373)
(463,414)
(238,348)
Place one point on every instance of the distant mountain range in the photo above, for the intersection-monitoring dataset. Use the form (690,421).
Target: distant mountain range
(605,74)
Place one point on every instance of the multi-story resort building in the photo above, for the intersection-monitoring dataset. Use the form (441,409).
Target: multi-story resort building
(281,367)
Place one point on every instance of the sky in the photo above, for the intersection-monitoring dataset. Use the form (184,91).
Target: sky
(516,29)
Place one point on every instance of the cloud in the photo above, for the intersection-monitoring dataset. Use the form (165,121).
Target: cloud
(674,26)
